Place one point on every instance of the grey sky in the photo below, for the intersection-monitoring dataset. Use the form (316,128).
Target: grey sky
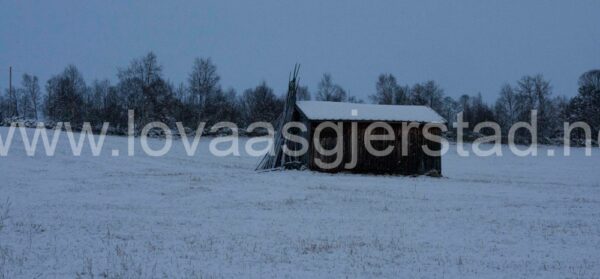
(470,47)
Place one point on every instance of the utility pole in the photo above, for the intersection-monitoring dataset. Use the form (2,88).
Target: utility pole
(10,86)
(15,110)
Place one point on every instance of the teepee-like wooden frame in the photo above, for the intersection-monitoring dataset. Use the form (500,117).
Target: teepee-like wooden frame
(278,159)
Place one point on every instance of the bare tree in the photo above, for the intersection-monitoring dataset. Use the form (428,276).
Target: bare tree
(506,107)
(534,93)
(12,102)
(586,105)
(387,90)
(261,104)
(143,88)
(65,98)
(429,94)
(526,98)
(31,89)
(450,108)
(203,81)
(223,106)
(402,95)
(302,94)
(480,111)
(328,91)
(354,99)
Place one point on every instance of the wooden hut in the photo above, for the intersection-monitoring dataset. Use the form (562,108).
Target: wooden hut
(352,123)
(335,133)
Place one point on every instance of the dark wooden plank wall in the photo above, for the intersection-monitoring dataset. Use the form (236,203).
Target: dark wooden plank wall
(416,161)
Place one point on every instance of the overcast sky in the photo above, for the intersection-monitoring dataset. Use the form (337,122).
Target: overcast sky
(471,47)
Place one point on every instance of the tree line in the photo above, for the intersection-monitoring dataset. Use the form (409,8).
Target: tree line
(141,86)
(513,104)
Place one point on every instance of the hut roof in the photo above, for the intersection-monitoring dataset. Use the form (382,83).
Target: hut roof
(319,110)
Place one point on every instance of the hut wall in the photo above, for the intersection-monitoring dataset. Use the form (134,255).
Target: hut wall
(415,162)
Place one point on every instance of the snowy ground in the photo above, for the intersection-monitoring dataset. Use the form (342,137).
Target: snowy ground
(203,216)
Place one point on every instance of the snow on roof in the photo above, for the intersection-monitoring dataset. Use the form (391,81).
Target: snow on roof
(318,110)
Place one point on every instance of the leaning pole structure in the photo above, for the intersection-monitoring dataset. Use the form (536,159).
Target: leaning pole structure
(277,159)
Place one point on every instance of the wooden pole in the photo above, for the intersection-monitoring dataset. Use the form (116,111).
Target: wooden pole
(280,159)
(10,94)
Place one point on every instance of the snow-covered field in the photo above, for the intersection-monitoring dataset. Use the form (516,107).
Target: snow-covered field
(204,216)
